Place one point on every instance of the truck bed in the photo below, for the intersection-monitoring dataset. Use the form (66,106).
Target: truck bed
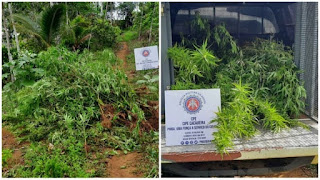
(294,142)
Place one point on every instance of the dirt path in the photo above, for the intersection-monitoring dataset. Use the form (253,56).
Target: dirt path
(10,142)
(125,165)
(122,54)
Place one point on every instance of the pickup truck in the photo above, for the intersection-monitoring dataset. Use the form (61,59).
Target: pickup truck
(295,24)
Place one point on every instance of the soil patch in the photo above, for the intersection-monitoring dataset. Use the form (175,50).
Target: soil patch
(122,54)
(125,165)
(153,119)
(10,142)
(107,114)
(8,139)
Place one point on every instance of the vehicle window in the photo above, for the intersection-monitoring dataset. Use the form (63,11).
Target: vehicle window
(251,20)
(228,16)
(269,23)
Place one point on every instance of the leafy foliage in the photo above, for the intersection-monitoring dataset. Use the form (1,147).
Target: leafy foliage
(45,31)
(147,17)
(68,81)
(64,103)
(200,31)
(149,81)
(50,22)
(271,65)
(103,34)
(218,38)
(77,33)
(24,70)
(56,161)
(193,65)
(6,78)
(128,36)
(237,118)
(271,118)
(259,82)
(6,155)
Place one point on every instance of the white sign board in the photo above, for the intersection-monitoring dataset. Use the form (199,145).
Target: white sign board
(188,116)
(146,58)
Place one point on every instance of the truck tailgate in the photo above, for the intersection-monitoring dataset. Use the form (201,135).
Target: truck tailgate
(295,142)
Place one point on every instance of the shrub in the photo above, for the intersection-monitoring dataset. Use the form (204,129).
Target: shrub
(103,34)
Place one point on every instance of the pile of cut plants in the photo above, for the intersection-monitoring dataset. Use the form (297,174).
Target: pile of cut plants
(259,81)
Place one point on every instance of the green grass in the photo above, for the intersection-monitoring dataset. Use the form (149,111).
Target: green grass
(128,36)
(6,155)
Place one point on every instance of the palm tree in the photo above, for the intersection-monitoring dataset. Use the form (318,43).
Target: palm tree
(76,33)
(47,29)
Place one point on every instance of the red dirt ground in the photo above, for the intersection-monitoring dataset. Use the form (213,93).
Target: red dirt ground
(125,165)
(122,54)
(9,142)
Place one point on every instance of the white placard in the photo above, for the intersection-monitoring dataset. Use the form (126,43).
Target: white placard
(188,115)
(146,58)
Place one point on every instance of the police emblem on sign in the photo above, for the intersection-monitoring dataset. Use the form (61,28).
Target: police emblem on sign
(192,104)
(145,53)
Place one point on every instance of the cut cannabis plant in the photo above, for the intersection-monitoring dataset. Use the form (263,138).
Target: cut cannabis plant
(63,104)
(196,66)
(270,68)
(218,38)
(239,117)
(269,92)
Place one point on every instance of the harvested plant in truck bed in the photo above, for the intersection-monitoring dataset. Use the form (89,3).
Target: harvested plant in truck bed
(259,82)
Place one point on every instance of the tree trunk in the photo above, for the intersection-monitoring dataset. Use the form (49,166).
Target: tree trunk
(101,8)
(111,13)
(140,22)
(89,41)
(51,4)
(8,45)
(14,29)
(67,18)
(151,25)
(106,10)
(96,5)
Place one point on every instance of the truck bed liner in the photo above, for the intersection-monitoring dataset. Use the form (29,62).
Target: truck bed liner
(295,142)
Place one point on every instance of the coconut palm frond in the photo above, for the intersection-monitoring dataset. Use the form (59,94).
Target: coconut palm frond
(51,20)
(26,23)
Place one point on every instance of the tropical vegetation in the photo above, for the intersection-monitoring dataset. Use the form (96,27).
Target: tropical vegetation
(69,100)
